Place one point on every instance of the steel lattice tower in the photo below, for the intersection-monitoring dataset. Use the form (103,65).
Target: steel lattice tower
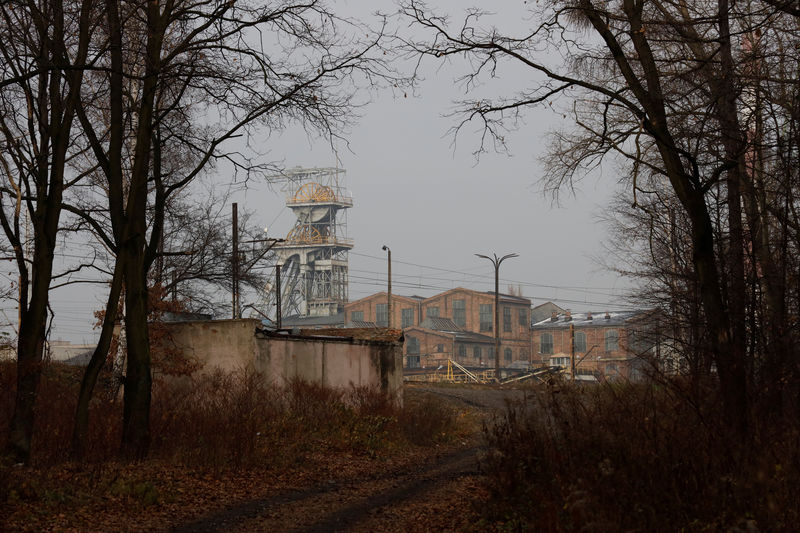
(314,256)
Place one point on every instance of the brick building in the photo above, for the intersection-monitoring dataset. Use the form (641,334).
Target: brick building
(616,345)
(457,324)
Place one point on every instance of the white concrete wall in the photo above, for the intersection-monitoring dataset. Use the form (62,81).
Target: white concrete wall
(333,362)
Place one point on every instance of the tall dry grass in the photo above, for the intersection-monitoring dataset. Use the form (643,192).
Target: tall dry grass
(638,458)
(229,419)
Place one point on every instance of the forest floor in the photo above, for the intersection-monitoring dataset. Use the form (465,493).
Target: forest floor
(413,488)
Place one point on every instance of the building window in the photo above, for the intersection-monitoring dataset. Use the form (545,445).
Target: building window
(507,355)
(546,343)
(476,352)
(356,316)
(612,340)
(580,341)
(412,361)
(491,353)
(439,348)
(460,313)
(412,345)
(462,350)
(382,315)
(406,318)
(559,361)
(432,312)
(485,311)
(523,317)
(507,319)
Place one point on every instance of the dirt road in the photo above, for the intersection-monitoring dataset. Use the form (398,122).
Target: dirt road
(434,491)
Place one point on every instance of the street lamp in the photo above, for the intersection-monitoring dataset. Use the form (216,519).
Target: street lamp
(496,262)
(389,290)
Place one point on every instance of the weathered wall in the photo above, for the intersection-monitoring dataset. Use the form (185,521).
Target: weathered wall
(332,361)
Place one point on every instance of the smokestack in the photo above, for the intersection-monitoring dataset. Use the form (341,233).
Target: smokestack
(608,316)
(554,316)
(589,315)
(568,316)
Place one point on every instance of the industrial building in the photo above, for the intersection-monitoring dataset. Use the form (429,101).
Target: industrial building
(603,346)
(456,324)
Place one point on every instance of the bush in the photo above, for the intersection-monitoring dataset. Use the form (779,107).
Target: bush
(227,419)
(637,457)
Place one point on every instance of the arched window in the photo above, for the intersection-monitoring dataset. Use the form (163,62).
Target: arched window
(580,341)
(612,340)
(546,343)
(507,355)
(412,345)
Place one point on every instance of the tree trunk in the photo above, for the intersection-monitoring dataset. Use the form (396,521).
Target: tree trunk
(30,349)
(136,411)
(81,427)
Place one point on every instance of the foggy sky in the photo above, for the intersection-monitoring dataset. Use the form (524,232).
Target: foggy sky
(433,204)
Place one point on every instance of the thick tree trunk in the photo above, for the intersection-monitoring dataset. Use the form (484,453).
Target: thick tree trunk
(30,349)
(136,411)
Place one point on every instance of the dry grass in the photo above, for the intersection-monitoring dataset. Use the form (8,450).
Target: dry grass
(637,457)
(229,419)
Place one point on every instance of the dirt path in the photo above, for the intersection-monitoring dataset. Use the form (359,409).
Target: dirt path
(434,491)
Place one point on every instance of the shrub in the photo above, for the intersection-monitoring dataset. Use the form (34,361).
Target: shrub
(228,419)
(636,457)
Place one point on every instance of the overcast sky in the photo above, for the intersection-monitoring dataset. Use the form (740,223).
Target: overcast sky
(434,205)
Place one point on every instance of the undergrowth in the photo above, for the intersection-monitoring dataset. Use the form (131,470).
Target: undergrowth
(637,458)
(229,419)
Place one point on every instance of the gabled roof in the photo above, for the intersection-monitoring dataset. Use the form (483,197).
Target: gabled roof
(414,299)
(503,297)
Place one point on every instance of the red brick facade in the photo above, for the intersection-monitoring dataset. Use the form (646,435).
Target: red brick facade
(607,346)
(472,312)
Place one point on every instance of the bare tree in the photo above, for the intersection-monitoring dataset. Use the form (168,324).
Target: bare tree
(657,86)
(189,78)
(44,47)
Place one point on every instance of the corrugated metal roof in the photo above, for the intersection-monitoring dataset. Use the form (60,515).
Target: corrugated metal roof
(301,321)
(468,336)
(590,319)
(361,324)
(440,324)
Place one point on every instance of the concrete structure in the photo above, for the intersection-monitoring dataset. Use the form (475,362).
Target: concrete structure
(615,345)
(334,358)
(465,334)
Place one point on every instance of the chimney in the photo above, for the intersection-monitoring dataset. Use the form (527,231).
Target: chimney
(568,316)
(589,315)
(608,316)
(554,316)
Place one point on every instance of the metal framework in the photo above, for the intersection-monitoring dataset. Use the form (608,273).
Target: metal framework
(314,256)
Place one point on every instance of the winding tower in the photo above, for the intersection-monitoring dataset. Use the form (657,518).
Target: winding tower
(314,256)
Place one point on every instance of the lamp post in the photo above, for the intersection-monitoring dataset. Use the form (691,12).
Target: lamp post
(496,262)
(389,284)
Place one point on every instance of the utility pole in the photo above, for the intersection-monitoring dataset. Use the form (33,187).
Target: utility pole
(235,260)
(496,262)
(572,351)
(389,276)
(278,295)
